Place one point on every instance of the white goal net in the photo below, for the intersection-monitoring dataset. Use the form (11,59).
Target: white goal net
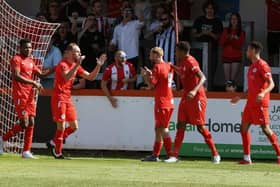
(13,27)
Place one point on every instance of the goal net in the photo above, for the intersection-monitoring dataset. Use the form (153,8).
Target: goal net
(13,27)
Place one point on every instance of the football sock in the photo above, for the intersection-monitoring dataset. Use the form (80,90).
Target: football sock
(15,129)
(209,141)
(157,148)
(167,142)
(58,139)
(178,141)
(274,141)
(28,136)
(246,142)
(69,130)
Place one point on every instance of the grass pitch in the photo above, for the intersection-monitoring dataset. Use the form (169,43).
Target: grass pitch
(119,172)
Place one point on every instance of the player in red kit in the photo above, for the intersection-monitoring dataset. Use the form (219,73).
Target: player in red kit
(260,84)
(24,92)
(63,109)
(160,79)
(192,106)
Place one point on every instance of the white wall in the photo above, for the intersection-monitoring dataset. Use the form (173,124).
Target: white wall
(255,10)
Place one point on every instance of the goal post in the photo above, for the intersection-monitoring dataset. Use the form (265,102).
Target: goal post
(13,27)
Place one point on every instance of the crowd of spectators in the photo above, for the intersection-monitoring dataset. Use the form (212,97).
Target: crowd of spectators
(134,27)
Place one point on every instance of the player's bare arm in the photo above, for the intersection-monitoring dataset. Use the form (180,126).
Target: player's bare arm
(113,101)
(267,90)
(202,80)
(176,68)
(67,75)
(147,73)
(22,79)
(100,61)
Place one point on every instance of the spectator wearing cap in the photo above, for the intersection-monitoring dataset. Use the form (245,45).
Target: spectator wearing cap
(120,75)
(126,36)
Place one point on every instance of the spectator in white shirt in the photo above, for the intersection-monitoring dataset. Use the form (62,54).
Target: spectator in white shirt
(53,57)
(126,36)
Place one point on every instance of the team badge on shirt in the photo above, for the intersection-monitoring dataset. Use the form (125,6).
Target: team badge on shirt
(254,70)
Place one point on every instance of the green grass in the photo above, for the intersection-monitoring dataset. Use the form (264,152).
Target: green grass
(111,172)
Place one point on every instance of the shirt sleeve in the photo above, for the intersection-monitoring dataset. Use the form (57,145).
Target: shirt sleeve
(194,66)
(218,28)
(265,72)
(81,71)
(115,33)
(15,64)
(139,24)
(106,74)
(197,24)
(155,75)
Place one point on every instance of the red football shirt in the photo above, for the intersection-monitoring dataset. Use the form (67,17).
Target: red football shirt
(189,79)
(258,74)
(62,87)
(162,76)
(115,74)
(27,69)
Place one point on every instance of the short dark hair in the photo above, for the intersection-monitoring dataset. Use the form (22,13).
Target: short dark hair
(256,45)
(92,3)
(24,41)
(207,3)
(184,46)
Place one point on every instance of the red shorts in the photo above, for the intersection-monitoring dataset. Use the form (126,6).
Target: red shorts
(192,112)
(25,107)
(63,111)
(162,117)
(256,115)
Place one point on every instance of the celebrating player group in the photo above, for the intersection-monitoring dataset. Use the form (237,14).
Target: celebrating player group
(192,107)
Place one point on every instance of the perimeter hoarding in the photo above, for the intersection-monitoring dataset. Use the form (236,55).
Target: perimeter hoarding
(131,127)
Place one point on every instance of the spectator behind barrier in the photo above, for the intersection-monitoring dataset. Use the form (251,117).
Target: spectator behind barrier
(165,37)
(54,14)
(232,41)
(126,36)
(65,36)
(92,43)
(52,58)
(70,6)
(207,28)
(120,75)
(102,23)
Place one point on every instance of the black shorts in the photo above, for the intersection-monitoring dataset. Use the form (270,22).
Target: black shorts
(273,42)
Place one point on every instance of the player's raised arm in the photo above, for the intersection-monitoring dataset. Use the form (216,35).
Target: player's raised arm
(100,61)
(147,74)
